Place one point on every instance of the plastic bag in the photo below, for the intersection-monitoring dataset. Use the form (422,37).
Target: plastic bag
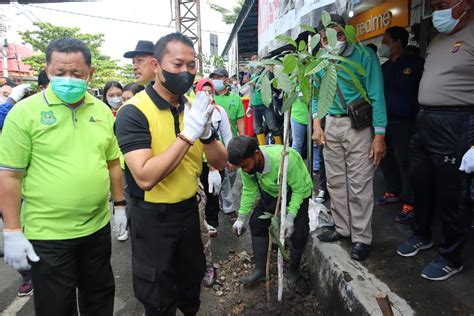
(319,215)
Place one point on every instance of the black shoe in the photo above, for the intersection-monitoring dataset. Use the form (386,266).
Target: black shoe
(329,236)
(360,251)
(1,254)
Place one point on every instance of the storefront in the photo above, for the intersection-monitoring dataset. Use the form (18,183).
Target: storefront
(371,24)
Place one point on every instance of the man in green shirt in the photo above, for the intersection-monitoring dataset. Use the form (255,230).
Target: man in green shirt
(231,102)
(350,154)
(260,170)
(59,153)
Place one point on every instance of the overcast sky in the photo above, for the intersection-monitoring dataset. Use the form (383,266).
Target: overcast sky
(119,36)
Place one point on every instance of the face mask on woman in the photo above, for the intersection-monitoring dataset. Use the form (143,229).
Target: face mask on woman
(115,102)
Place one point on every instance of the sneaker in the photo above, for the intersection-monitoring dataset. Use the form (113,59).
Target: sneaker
(413,245)
(123,237)
(25,289)
(322,196)
(388,198)
(439,269)
(212,230)
(210,276)
(406,215)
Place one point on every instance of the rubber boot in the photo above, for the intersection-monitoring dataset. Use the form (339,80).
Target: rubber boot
(261,139)
(260,248)
(294,267)
(278,140)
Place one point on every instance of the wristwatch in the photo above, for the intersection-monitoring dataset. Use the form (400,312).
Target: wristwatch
(213,136)
(120,203)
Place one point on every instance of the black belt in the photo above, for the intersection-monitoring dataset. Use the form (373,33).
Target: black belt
(447,108)
(338,115)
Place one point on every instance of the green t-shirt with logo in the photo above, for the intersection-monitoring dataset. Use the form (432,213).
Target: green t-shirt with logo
(234,107)
(64,152)
(299,112)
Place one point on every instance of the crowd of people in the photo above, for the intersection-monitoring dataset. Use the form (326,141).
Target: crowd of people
(158,159)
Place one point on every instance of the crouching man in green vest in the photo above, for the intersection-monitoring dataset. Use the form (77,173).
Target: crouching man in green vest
(259,171)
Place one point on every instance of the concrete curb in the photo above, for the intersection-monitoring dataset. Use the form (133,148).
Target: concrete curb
(343,285)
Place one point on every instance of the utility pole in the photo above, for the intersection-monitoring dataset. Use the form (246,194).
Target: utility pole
(4,43)
(188,21)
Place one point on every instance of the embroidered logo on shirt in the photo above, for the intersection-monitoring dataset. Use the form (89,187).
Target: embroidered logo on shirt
(457,47)
(407,71)
(93,120)
(48,118)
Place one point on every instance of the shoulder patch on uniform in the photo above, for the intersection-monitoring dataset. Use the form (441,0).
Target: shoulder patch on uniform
(48,118)
(407,71)
(457,47)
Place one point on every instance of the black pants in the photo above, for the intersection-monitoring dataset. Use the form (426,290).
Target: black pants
(82,263)
(267,203)
(167,256)
(439,143)
(212,204)
(396,164)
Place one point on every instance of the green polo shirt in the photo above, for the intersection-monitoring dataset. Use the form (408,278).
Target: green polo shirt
(64,154)
(372,83)
(234,107)
(299,179)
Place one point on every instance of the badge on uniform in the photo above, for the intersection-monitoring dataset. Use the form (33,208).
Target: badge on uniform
(407,71)
(457,47)
(48,118)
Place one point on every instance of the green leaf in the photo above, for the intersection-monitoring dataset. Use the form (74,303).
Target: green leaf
(301,46)
(322,65)
(356,66)
(331,34)
(286,39)
(350,33)
(275,221)
(327,91)
(315,41)
(305,87)
(266,215)
(266,90)
(288,103)
(326,18)
(280,246)
(355,81)
(308,28)
(283,81)
(289,63)
(312,65)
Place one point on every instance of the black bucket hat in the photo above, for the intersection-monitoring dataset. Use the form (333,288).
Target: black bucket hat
(143,47)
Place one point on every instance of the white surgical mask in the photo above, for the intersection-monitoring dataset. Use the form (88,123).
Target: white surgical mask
(443,20)
(340,46)
(115,102)
(384,51)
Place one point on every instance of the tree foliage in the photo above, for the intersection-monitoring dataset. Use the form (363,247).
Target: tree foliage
(106,69)
(228,16)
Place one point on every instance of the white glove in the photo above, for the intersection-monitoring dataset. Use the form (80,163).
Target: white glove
(214,181)
(467,163)
(289,225)
(197,117)
(238,225)
(19,92)
(18,250)
(248,112)
(120,220)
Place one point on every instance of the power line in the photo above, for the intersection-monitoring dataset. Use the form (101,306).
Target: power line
(115,19)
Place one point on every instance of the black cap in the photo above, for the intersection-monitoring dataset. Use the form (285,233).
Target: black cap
(219,71)
(143,47)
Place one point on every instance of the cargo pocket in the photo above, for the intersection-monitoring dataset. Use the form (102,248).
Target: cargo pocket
(144,277)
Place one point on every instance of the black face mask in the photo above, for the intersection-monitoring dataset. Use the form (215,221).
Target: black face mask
(177,84)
